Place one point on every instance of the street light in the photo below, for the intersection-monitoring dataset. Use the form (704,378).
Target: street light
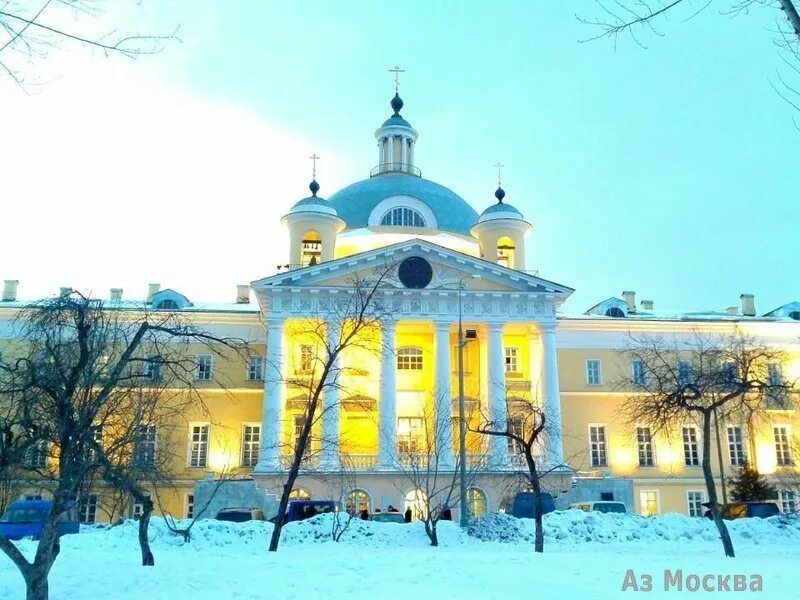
(463,340)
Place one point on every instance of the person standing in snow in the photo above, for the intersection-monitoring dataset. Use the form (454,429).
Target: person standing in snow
(407,515)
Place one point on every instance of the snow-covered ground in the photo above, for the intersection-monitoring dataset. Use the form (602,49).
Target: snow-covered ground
(586,556)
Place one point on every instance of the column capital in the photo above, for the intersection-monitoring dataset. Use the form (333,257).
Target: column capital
(548,326)
(495,326)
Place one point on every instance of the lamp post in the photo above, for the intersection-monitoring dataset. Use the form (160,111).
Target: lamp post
(462,421)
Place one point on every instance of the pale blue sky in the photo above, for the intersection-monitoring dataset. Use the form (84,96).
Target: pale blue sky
(670,170)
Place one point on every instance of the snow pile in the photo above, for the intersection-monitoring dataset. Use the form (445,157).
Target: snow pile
(575,527)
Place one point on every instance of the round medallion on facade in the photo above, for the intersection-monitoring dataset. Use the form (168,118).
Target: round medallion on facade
(415,272)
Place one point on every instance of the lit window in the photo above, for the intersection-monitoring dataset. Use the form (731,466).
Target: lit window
(736,446)
(409,435)
(644,443)
(648,502)
(198,445)
(783,451)
(788,499)
(409,359)
(310,250)
(255,368)
(505,253)
(510,359)
(403,217)
(251,443)
(476,503)
(598,445)
(694,500)
(189,506)
(203,368)
(306,358)
(358,501)
(299,494)
(145,454)
(639,373)
(691,448)
(593,372)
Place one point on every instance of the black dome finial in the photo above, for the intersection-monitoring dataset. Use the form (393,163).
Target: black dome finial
(500,194)
(396,103)
(314,187)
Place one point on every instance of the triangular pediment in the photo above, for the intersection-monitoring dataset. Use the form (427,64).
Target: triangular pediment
(448,268)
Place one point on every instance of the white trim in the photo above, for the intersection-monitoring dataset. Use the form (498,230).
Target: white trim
(703,498)
(391,202)
(258,424)
(189,441)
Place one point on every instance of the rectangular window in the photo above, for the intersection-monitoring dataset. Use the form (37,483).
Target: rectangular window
(299,423)
(788,500)
(516,425)
(644,443)
(189,506)
(409,434)
(198,445)
(638,372)
(204,367)
(685,372)
(409,359)
(36,456)
(138,508)
(598,445)
(251,443)
(145,451)
(87,509)
(774,374)
(593,372)
(510,359)
(306,358)
(694,501)
(736,446)
(783,450)
(255,368)
(691,447)
(151,368)
(97,437)
(648,502)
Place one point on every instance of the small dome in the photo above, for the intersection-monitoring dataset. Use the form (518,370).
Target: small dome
(314,203)
(501,210)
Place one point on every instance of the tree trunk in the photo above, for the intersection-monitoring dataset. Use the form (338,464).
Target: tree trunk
(430,530)
(144,544)
(711,488)
(538,544)
(36,584)
(279,520)
(788,7)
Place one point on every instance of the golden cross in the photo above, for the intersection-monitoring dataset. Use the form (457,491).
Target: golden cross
(499,166)
(314,159)
(397,70)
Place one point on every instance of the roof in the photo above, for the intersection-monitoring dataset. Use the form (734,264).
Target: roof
(313,204)
(396,120)
(355,202)
(501,210)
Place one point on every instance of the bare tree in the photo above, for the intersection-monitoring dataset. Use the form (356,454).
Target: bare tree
(29,30)
(723,376)
(352,321)
(78,364)
(343,482)
(184,529)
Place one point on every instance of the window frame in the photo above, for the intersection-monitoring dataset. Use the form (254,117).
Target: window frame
(410,358)
(199,368)
(402,216)
(742,446)
(246,458)
(150,452)
(188,505)
(191,442)
(87,505)
(599,363)
(36,455)
(255,370)
(657,494)
(783,457)
(511,355)
(699,506)
(687,377)
(646,450)
(698,446)
(638,376)
(604,463)
(792,498)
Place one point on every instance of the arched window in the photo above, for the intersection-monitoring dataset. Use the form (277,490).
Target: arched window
(416,500)
(615,312)
(505,252)
(403,217)
(409,359)
(299,494)
(358,501)
(167,304)
(476,503)
(310,249)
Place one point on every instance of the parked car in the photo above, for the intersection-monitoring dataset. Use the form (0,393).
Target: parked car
(388,517)
(300,510)
(26,518)
(240,515)
(741,510)
(524,506)
(603,506)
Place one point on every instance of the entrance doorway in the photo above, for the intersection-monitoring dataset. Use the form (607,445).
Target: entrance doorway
(416,500)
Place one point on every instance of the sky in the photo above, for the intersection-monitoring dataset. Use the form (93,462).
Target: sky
(670,170)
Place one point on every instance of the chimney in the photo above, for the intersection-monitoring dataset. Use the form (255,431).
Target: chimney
(243,294)
(10,290)
(748,305)
(647,305)
(630,299)
(152,290)
(64,291)
(116,293)
(732,310)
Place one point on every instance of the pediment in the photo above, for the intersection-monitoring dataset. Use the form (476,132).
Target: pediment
(448,267)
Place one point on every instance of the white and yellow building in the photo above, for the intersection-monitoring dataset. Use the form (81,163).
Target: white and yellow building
(450,261)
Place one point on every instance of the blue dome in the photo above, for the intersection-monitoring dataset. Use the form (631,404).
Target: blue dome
(396,120)
(313,204)
(355,202)
(501,207)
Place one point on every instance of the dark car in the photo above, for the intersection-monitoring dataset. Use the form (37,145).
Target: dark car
(305,509)
(388,517)
(742,510)
(524,506)
(26,518)
(240,515)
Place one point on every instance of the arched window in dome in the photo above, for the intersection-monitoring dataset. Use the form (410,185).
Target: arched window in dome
(310,249)
(167,304)
(795,315)
(402,216)
(615,312)
(505,252)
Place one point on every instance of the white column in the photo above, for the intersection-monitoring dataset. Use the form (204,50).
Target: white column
(331,406)
(274,395)
(390,141)
(403,152)
(552,398)
(498,409)
(387,421)
(443,397)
